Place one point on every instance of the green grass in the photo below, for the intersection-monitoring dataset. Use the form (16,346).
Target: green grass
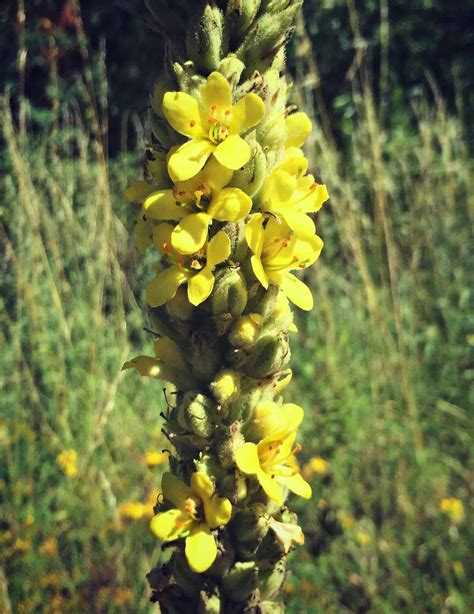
(382,366)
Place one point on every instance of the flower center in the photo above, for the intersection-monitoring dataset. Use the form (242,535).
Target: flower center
(218,130)
(193,507)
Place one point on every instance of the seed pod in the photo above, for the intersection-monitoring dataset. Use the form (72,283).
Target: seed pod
(246,330)
(197,414)
(248,529)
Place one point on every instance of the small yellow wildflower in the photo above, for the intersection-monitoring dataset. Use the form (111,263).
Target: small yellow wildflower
(276,251)
(197,510)
(316,466)
(212,124)
(272,460)
(453,508)
(49,547)
(22,545)
(196,270)
(292,195)
(363,538)
(347,521)
(67,460)
(133,510)
(196,203)
(153,458)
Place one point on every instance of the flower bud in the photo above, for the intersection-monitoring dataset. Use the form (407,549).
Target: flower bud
(241,580)
(226,386)
(161,131)
(230,293)
(209,603)
(250,178)
(187,579)
(197,413)
(228,444)
(241,14)
(267,418)
(238,243)
(271,581)
(207,40)
(234,487)
(248,529)
(231,67)
(246,330)
(269,356)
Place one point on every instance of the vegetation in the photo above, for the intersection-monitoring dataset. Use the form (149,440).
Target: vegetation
(383,365)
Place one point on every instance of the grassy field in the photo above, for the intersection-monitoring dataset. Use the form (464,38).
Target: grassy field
(382,366)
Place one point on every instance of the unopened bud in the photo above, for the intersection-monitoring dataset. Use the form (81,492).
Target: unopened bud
(230,293)
(226,386)
(207,41)
(250,178)
(231,68)
(197,413)
(246,330)
(241,580)
(228,444)
(187,579)
(241,14)
(269,356)
(248,529)
(209,603)
(234,487)
(271,580)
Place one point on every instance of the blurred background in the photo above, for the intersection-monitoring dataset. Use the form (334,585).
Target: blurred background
(383,365)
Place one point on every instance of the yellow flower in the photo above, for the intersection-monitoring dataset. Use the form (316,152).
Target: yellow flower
(270,417)
(291,195)
(454,508)
(272,460)
(137,192)
(196,203)
(316,466)
(212,124)
(134,510)
(195,270)
(67,460)
(346,520)
(298,128)
(153,458)
(363,538)
(276,251)
(49,547)
(169,364)
(197,510)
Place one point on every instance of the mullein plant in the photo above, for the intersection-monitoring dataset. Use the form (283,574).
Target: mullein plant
(225,206)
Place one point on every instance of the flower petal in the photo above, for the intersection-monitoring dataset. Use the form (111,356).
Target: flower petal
(143,235)
(259,271)
(189,159)
(299,222)
(271,487)
(298,127)
(169,352)
(218,249)
(278,190)
(138,190)
(200,286)
(164,286)
(246,113)
(233,153)
(201,548)
(217,510)
(147,366)
(297,485)
(216,91)
(214,175)
(296,291)
(254,233)
(247,459)
(190,234)
(162,206)
(170,525)
(230,205)
(182,112)
(175,490)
